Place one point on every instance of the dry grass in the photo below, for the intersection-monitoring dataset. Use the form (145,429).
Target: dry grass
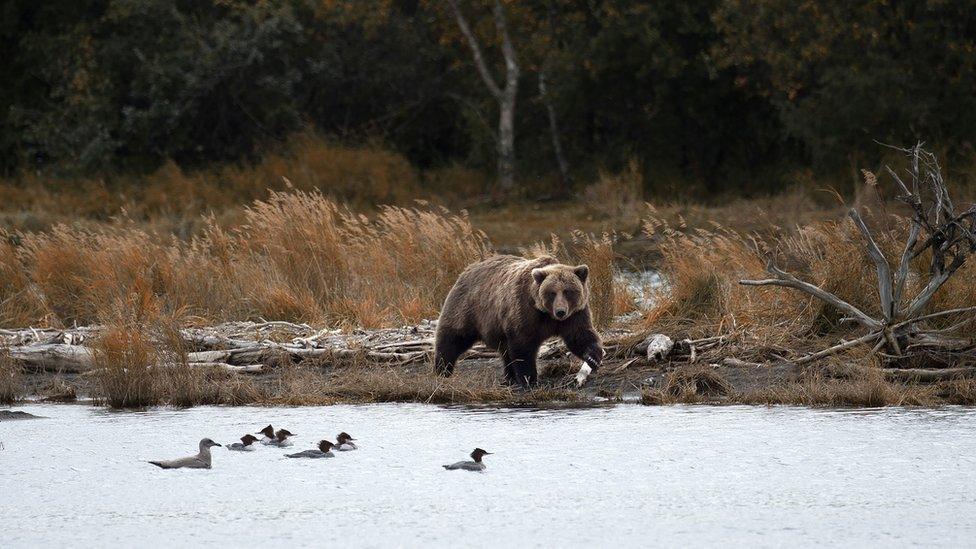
(848,387)
(834,393)
(297,256)
(597,254)
(124,363)
(688,385)
(616,195)
(703,298)
(11,379)
(175,200)
(19,302)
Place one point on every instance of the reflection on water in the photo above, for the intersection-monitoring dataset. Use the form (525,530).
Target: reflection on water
(630,475)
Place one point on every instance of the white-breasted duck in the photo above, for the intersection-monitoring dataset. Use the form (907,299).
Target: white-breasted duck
(344,442)
(281,438)
(324,451)
(245,445)
(475,465)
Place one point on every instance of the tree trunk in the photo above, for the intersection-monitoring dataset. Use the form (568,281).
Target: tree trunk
(505,138)
(557,144)
(506,142)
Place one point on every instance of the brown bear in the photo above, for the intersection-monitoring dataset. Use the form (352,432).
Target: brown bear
(513,305)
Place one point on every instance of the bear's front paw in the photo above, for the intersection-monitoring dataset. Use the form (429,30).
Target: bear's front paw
(594,358)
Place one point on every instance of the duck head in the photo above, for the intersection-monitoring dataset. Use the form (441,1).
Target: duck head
(267,431)
(248,439)
(478,454)
(343,438)
(282,434)
(325,445)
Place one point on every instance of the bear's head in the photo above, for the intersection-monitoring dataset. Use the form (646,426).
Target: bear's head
(560,290)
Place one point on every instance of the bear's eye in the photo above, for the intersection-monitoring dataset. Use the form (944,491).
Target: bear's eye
(550,295)
(570,294)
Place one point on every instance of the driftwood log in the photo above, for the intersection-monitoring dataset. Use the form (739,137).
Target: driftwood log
(248,347)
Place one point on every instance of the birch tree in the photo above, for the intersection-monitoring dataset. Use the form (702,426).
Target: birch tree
(505,95)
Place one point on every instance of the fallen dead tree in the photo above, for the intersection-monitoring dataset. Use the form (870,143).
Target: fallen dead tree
(901,335)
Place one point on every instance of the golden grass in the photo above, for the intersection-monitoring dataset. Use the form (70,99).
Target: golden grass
(297,256)
(702,296)
(597,254)
(124,362)
(19,302)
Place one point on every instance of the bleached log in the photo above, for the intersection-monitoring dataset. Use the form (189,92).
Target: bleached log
(53,357)
(929,375)
(208,356)
(426,343)
(234,368)
(738,363)
(231,368)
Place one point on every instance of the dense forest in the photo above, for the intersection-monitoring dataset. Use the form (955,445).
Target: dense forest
(726,92)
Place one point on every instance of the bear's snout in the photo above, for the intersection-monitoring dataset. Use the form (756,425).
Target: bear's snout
(560,313)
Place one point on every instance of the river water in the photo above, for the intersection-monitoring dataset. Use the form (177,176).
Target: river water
(625,475)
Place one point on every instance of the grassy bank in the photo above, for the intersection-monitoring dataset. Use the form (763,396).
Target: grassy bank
(179,250)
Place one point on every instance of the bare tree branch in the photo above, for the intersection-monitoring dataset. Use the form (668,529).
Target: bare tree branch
(885,291)
(837,348)
(789,281)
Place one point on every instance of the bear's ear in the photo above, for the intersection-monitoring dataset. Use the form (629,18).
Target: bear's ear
(582,272)
(539,275)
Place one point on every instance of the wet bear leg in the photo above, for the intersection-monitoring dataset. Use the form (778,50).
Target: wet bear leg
(449,346)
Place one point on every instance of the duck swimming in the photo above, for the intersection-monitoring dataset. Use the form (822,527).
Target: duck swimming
(269,434)
(475,465)
(244,445)
(324,451)
(199,461)
(281,438)
(344,442)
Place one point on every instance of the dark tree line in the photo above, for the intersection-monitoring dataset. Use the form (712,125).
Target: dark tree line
(722,92)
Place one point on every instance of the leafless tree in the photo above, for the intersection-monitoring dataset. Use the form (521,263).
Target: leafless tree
(936,227)
(505,96)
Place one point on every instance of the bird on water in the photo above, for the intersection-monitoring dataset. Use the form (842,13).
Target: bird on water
(245,445)
(476,465)
(199,461)
(324,451)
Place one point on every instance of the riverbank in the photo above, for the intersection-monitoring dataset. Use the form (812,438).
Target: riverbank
(278,363)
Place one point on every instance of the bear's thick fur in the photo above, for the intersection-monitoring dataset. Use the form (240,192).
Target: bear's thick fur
(513,305)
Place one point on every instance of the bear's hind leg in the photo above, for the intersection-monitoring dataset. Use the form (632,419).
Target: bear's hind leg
(510,377)
(521,361)
(449,346)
